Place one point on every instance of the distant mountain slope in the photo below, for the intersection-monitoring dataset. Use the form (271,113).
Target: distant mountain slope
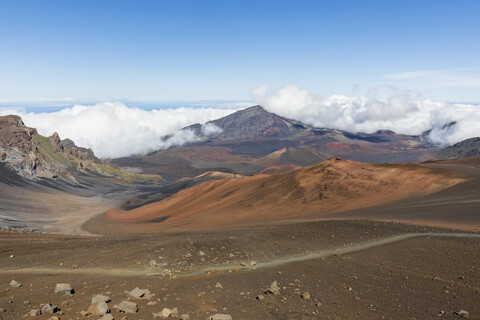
(463,149)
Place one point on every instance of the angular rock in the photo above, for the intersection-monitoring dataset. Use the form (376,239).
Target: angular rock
(219,316)
(98,309)
(128,307)
(273,288)
(100,298)
(260,297)
(140,293)
(64,288)
(306,295)
(108,316)
(15,284)
(35,312)
(218,285)
(166,312)
(49,308)
(185,317)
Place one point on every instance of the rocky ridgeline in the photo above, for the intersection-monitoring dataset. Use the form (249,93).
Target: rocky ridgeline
(33,156)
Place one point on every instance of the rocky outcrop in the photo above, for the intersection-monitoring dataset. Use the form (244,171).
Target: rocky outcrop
(34,156)
(79,152)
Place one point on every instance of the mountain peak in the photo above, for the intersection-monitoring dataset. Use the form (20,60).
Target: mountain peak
(251,123)
(11,120)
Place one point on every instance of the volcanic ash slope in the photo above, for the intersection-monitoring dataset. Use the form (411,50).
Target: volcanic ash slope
(330,186)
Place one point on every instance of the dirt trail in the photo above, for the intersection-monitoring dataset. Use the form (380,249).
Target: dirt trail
(143,272)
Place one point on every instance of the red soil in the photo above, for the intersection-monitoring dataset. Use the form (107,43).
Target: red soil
(331,186)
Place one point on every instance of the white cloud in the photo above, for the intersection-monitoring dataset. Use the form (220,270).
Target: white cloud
(210,129)
(384,107)
(115,130)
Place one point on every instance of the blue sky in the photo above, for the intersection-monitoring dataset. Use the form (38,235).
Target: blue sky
(219,50)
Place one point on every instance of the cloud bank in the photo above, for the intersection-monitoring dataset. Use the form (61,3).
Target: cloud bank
(382,108)
(115,130)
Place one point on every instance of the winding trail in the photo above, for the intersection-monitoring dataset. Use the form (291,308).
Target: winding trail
(143,272)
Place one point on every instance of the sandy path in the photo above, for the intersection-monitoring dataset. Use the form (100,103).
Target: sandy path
(142,272)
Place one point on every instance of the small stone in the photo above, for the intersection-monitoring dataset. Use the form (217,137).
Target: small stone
(128,307)
(174,312)
(253,263)
(463,313)
(243,264)
(107,316)
(15,284)
(218,285)
(34,312)
(318,304)
(49,308)
(152,264)
(166,312)
(273,288)
(201,253)
(306,295)
(185,317)
(219,316)
(64,288)
(260,297)
(54,318)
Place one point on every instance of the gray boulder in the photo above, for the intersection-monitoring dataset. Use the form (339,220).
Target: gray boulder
(64,288)
(98,309)
(49,308)
(140,293)
(15,284)
(128,307)
(100,298)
